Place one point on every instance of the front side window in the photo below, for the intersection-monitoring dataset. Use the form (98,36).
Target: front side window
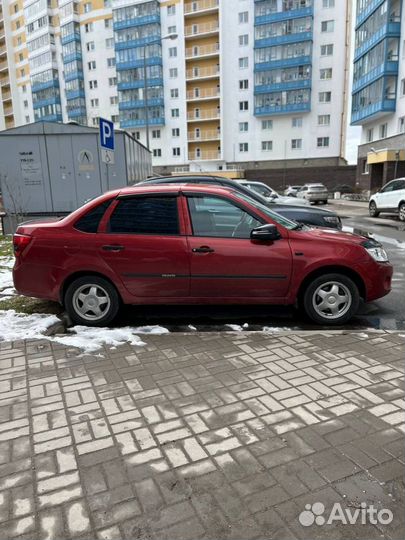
(217,217)
(145,215)
(89,222)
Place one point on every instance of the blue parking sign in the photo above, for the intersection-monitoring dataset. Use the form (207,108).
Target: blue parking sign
(106,134)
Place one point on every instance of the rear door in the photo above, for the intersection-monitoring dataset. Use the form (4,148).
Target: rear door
(145,246)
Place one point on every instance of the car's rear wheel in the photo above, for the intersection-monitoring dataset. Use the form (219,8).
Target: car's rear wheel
(402,212)
(92,301)
(372,209)
(331,299)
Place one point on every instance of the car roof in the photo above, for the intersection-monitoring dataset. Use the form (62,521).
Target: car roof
(173,188)
(314,185)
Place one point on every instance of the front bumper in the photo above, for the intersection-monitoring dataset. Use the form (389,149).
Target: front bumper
(378,280)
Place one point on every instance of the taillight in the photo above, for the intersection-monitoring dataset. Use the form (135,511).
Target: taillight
(20,242)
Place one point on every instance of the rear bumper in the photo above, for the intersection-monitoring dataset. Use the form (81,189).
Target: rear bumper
(317,197)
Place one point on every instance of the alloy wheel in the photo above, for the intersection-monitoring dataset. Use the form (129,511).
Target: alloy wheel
(332,300)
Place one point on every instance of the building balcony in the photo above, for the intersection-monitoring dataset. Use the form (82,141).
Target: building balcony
(140,122)
(133,43)
(49,118)
(76,112)
(203,116)
(54,100)
(373,111)
(72,57)
(288,108)
(277,16)
(71,37)
(367,11)
(295,84)
(140,104)
(208,135)
(205,29)
(204,94)
(203,51)
(74,94)
(390,29)
(283,63)
(133,85)
(138,63)
(205,156)
(74,75)
(138,21)
(388,68)
(3,66)
(6,96)
(44,85)
(8,111)
(281,40)
(3,51)
(200,7)
(202,73)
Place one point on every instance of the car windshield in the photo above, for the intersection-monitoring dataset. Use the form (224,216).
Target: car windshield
(263,190)
(287,223)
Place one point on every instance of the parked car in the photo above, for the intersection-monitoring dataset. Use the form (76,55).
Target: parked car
(193,244)
(316,193)
(311,216)
(291,191)
(390,198)
(269,193)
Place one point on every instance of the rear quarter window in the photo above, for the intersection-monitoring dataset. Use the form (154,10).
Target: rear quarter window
(91,220)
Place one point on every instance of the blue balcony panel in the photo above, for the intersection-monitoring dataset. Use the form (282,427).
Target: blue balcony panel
(283,109)
(140,104)
(380,108)
(71,57)
(392,29)
(280,40)
(68,39)
(79,111)
(139,84)
(44,102)
(388,68)
(139,21)
(283,63)
(43,86)
(131,64)
(121,45)
(50,118)
(284,15)
(74,75)
(74,94)
(280,87)
(141,122)
(366,13)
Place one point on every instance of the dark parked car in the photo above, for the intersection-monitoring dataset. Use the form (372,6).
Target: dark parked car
(315,217)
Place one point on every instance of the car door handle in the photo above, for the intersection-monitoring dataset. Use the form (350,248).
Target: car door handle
(113,248)
(203,249)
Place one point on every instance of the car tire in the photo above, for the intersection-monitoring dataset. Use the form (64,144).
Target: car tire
(372,209)
(401,213)
(327,290)
(92,301)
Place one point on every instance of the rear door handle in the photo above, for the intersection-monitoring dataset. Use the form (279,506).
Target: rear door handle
(203,249)
(113,248)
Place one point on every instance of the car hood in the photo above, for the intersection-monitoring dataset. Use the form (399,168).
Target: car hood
(333,234)
(288,200)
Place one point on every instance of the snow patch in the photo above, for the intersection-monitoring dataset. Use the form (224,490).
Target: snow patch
(14,326)
(235,327)
(93,339)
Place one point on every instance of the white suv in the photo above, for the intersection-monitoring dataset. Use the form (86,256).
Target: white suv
(313,193)
(390,198)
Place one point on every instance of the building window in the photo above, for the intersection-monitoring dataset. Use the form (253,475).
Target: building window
(383,131)
(176,132)
(112,81)
(296,144)
(107,23)
(93,85)
(244,147)
(267,124)
(87,7)
(243,62)
(243,84)
(327,50)
(175,113)
(327,26)
(171,10)
(243,126)
(156,134)
(90,46)
(325,97)
(243,105)
(25,103)
(171,29)
(401,124)
(94,102)
(243,17)
(109,43)
(172,52)
(115,118)
(95,121)
(173,73)
(137,135)
(27,119)
(267,146)
(88,27)
(365,167)
(176,152)
(325,74)
(21,57)
(370,135)
(157,152)
(244,40)
(113,100)
(111,62)
(296,122)
(403,86)
(91,65)
(328,3)
(24,88)
(324,120)
(174,93)
(322,142)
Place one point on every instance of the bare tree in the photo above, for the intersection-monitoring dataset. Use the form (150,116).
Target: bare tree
(14,192)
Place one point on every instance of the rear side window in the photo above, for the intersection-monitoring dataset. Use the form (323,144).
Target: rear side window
(89,222)
(145,215)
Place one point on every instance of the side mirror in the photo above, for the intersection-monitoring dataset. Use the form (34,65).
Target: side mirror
(273,196)
(268,232)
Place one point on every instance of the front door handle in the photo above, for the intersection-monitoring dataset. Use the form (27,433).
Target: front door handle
(114,248)
(203,249)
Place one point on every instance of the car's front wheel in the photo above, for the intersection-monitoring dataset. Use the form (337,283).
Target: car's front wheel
(402,212)
(372,209)
(332,299)
(92,301)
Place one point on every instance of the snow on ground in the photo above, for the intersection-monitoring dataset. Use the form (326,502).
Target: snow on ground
(14,326)
(6,277)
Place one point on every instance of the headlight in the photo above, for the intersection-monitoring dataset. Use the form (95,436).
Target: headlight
(378,253)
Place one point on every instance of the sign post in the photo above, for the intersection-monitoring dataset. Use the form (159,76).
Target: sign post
(107,144)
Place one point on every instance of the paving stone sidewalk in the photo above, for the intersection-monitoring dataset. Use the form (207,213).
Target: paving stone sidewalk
(202,436)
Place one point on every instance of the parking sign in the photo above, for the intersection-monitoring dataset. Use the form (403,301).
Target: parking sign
(106,134)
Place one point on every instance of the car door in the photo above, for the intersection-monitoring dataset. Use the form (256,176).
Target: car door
(144,246)
(302,192)
(224,262)
(385,197)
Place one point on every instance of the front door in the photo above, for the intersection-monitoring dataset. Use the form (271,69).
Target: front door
(143,246)
(225,263)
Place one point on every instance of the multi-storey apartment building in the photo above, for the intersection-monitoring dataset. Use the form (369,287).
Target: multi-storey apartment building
(378,91)
(206,84)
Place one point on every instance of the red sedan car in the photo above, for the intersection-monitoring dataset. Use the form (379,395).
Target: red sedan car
(193,244)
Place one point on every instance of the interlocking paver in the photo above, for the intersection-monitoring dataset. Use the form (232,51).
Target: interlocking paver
(199,435)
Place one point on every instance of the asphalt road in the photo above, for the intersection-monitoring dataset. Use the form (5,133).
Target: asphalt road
(387,313)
